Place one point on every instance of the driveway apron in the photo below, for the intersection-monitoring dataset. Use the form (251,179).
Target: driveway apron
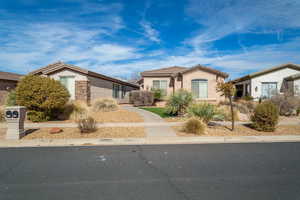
(152,131)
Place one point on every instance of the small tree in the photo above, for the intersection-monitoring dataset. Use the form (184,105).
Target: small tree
(228,90)
(42,96)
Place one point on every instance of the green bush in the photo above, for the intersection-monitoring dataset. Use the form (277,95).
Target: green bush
(247,98)
(37,116)
(87,125)
(265,117)
(105,105)
(41,95)
(11,98)
(141,98)
(204,111)
(178,102)
(195,125)
(158,94)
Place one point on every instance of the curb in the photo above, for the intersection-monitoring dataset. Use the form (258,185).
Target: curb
(147,141)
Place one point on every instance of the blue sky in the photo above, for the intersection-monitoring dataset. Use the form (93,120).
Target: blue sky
(120,38)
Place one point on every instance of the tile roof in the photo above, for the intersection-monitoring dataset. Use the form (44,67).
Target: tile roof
(52,68)
(173,71)
(10,76)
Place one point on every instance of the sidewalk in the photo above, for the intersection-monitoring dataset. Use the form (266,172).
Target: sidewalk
(147,141)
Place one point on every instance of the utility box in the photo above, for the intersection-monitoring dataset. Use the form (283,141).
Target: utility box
(15,117)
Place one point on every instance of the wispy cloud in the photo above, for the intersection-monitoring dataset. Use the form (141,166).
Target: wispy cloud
(222,18)
(149,32)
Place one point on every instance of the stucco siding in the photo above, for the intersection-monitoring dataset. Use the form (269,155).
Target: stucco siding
(77,76)
(211,80)
(276,76)
(100,88)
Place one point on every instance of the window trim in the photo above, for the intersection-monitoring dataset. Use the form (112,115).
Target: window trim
(262,83)
(199,81)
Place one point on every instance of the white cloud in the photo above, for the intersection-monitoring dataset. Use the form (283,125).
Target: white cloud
(149,32)
(222,18)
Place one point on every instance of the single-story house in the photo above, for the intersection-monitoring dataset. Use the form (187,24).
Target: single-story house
(8,81)
(266,83)
(86,85)
(199,80)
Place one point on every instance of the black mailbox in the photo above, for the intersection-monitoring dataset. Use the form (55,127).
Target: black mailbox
(8,114)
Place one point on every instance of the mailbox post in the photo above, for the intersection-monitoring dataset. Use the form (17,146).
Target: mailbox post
(15,117)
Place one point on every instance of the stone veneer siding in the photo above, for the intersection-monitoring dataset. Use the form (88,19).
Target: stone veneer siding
(83,91)
(5,87)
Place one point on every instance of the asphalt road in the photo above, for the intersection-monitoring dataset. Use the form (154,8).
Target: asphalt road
(166,172)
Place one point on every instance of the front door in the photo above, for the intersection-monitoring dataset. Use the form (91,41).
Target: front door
(69,83)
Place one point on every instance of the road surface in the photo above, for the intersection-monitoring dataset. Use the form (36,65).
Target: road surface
(162,172)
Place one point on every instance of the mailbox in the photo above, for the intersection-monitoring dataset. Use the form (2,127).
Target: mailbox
(15,117)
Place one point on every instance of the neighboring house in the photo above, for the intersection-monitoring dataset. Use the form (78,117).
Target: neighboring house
(8,81)
(199,80)
(266,83)
(86,85)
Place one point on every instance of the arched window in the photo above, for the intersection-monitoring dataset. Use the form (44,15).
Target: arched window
(200,88)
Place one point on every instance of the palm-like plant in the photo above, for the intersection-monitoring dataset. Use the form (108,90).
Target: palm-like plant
(204,111)
(178,102)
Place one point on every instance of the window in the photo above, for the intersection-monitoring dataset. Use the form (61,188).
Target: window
(116,90)
(69,83)
(268,89)
(200,88)
(160,84)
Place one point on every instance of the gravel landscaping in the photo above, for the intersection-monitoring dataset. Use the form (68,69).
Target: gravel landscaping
(107,132)
(241,130)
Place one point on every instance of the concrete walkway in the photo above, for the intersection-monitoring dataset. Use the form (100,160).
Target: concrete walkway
(149,117)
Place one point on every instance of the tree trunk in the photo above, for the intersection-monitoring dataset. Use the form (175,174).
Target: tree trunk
(232,114)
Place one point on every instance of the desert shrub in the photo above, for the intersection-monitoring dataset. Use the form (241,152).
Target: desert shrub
(158,94)
(204,111)
(41,95)
(105,105)
(265,117)
(87,125)
(194,125)
(2,114)
(224,113)
(178,102)
(141,98)
(242,106)
(286,104)
(10,99)
(74,110)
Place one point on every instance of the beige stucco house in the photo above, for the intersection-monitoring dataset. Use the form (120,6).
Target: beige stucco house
(86,85)
(200,80)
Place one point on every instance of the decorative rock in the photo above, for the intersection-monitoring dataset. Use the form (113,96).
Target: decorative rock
(55,130)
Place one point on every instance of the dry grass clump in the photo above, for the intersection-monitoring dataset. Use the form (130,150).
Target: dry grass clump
(87,125)
(75,110)
(195,125)
(2,114)
(105,105)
